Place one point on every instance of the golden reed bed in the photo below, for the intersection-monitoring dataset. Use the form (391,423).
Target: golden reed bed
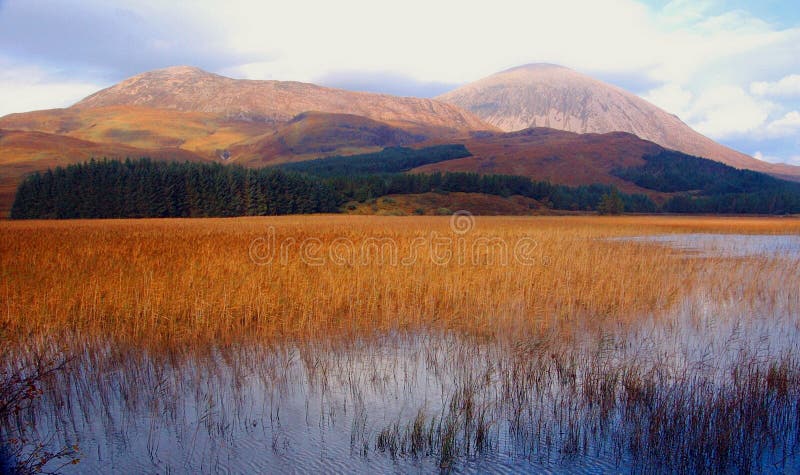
(302,277)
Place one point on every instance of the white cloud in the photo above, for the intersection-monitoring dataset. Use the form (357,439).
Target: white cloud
(445,41)
(672,98)
(718,112)
(786,126)
(681,12)
(25,89)
(729,110)
(788,86)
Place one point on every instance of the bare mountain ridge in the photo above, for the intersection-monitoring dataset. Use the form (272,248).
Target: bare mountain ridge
(545,95)
(191,89)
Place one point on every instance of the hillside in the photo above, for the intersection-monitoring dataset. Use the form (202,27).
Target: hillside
(554,155)
(141,127)
(316,134)
(544,95)
(379,183)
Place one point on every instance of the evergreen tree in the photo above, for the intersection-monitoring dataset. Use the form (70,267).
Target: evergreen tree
(611,203)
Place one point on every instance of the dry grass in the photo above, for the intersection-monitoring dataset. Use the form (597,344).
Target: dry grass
(438,203)
(190,280)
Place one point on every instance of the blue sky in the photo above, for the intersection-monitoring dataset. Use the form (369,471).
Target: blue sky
(730,69)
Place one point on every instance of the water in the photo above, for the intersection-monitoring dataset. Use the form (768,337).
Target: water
(730,245)
(288,409)
(581,403)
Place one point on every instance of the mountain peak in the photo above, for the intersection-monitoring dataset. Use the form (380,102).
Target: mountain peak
(190,89)
(547,95)
(183,69)
(171,72)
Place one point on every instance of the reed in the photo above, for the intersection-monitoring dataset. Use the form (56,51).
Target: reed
(193,280)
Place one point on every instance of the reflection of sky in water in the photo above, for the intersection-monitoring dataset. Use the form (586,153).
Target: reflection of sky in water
(312,410)
(255,410)
(726,245)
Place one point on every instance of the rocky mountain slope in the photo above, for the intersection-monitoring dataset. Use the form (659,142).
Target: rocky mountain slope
(191,89)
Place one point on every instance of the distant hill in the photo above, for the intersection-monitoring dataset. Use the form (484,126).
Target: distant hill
(316,134)
(554,155)
(545,95)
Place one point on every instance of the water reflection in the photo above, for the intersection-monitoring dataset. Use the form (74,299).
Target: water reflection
(425,402)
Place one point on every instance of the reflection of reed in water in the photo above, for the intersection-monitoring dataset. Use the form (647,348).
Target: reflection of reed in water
(706,391)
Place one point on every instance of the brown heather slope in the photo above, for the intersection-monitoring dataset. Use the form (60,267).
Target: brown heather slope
(24,152)
(141,127)
(432,204)
(191,89)
(317,134)
(544,95)
(308,135)
(548,154)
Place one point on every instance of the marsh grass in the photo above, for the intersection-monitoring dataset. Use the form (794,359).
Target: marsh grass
(157,281)
(601,350)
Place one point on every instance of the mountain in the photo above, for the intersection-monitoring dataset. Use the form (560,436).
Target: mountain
(191,89)
(545,95)
(187,113)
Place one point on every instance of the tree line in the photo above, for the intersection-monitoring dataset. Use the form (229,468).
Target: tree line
(561,197)
(147,188)
(152,189)
(706,186)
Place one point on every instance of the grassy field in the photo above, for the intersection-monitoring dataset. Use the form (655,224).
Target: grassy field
(178,280)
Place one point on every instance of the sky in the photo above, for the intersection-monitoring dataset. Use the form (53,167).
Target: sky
(730,69)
